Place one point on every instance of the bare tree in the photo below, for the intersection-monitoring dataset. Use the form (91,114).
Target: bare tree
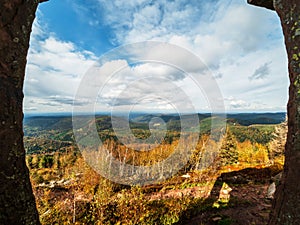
(277,144)
(286,205)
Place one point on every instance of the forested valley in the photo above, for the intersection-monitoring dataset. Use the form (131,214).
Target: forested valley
(221,181)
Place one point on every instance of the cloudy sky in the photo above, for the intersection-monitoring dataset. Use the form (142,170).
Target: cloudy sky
(202,50)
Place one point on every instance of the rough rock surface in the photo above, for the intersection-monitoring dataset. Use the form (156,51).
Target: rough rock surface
(286,205)
(263,3)
(17,203)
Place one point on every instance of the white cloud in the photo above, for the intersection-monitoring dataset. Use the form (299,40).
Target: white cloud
(235,41)
(142,84)
(54,68)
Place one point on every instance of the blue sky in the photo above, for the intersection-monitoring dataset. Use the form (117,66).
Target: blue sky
(241,45)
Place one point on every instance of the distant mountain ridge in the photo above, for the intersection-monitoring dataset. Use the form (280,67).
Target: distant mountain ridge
(247,119)
(64,122)
(47,133)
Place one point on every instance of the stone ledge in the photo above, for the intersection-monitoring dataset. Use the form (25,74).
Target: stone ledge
(262,3)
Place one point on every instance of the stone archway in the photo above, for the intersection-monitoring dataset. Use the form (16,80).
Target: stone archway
(17,204)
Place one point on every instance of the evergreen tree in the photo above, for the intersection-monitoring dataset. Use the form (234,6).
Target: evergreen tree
(228,153)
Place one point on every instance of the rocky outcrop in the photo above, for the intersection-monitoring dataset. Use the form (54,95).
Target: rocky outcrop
(263,3)
(17,203)
(287,197)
